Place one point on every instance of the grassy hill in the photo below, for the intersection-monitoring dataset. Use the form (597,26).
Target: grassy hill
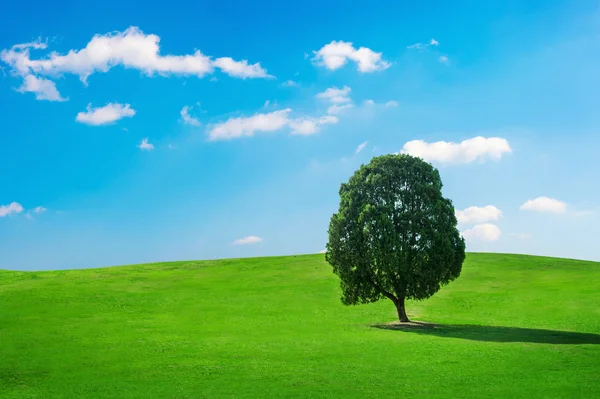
(513,326)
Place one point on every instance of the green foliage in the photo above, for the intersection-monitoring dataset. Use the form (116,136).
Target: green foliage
(394,235)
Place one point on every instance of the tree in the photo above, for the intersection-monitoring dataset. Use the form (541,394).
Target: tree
(394,235)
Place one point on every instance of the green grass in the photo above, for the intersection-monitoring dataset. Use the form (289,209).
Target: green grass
(512,326)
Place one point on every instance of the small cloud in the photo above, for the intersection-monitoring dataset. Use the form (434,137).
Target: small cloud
(443,59)
(308,126)
(544,204)
(323,251)
(289,83)
(12,208)
(467,151)
(335,55)
(483,232)
(171,147)
(336,95)
(104,115)
(336,109)
(248,126)
(241,69)
(37,209)
(144,145)
(423,46)
(391,103)
(361,147)
(369,102)
(125,129)
(44,89)
(247,240)
(475,214)
(187,118)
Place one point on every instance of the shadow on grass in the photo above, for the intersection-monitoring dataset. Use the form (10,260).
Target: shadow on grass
(494,334)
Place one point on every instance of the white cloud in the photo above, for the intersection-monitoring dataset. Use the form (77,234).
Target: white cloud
(328,119)
(369,102)
(443,59)
(13,207)
(131,49)
(240,69)
(477,148)
(361,147)
(475,214)
(323,251)
(544,204)
(248,126)
(187,118)
(335,55)
(37,209)
(304,126)
(422,46)
(391,103)
(269,122)
(103,115)
(44,89)
(145,146)
(336,109)
(289,83)
(247,240)
(336,95)
(308,126)
(483,232)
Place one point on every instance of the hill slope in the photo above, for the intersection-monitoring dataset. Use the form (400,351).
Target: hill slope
(515,326)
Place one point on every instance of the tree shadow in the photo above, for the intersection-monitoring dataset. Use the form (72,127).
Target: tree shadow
(495,333)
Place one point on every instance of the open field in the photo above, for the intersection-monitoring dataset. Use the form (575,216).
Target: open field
(512,326)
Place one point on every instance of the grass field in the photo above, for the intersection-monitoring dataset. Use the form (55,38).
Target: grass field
(512,326)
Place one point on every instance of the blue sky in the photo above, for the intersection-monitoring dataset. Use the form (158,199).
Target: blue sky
(101,165)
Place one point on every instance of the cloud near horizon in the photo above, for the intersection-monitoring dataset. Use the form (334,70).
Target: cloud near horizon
(247,240)
(476,215)
(544,204)
(482,232)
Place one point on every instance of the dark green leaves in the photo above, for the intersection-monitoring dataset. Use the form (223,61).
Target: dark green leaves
(394,233)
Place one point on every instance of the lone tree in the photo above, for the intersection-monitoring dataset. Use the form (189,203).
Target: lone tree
(394,235)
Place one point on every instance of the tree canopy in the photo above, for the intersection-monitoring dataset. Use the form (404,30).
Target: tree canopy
(394,236)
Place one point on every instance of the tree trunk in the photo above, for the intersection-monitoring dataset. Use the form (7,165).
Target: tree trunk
(401,310)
